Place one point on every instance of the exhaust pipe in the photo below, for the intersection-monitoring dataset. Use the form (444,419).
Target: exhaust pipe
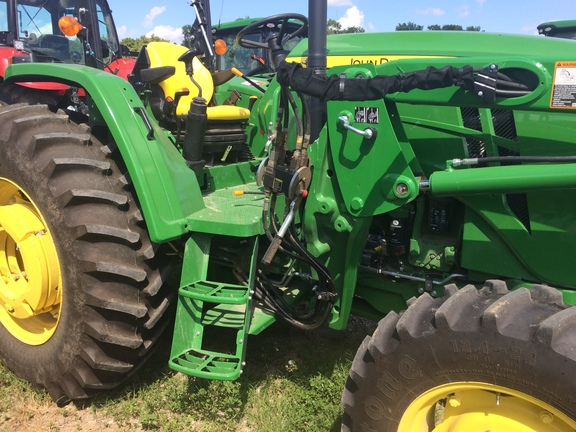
(317,19)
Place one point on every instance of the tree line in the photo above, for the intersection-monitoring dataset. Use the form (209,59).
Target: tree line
(413,26)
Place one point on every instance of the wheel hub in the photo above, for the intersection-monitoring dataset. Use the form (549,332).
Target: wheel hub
(481,407)
(30,283)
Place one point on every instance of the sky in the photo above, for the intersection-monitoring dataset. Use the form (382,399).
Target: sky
(166,18)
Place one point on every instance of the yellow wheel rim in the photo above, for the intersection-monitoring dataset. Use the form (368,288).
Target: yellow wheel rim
(30,280)
(481,407)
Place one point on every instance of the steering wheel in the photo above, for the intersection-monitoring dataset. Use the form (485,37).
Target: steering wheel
(277,26)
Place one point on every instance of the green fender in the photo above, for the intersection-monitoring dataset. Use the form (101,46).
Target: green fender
(167,189)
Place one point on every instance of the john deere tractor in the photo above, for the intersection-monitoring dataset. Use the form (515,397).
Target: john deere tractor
(423,180)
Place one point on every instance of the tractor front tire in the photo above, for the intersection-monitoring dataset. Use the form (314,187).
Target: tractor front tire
(82,301)
(474,360)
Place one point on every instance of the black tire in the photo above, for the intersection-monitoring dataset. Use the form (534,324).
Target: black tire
(510,348)
(114,304)
(11,94)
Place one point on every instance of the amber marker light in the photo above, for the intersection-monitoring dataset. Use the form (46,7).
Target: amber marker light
(69,26)
(220,46)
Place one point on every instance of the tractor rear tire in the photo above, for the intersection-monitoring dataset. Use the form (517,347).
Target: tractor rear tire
(82,298)
(474,360)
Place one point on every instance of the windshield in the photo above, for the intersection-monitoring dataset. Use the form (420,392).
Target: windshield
(37,27)
(246,59)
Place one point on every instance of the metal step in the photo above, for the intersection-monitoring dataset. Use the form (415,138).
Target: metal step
(197,349)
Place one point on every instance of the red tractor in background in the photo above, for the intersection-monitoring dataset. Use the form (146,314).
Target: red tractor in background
(58,31)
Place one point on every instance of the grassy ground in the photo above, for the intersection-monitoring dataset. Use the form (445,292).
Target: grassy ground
(292,382)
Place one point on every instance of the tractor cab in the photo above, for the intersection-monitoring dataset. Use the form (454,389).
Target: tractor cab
(59,31)
(250,60)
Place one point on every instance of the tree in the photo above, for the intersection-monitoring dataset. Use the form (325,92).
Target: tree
(412,26)
(452,27)
(136,45)
(334,27)
(409,26)
(187,32)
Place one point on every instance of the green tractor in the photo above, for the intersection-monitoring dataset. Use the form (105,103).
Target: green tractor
(422,180)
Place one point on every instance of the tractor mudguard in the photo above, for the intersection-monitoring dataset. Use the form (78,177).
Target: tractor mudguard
(167,189)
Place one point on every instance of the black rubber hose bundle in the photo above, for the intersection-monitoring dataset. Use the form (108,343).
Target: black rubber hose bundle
(336,87)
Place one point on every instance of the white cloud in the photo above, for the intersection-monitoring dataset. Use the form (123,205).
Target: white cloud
(354,17)
(337,3)
(463,10)
(167,32)
(431,11)
(480,2)
(529,29)
(122,31)
(154,12)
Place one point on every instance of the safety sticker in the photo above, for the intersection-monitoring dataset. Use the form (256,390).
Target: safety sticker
(564,88)
(367,115)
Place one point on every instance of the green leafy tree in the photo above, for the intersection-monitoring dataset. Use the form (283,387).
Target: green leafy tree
(452,27)
(409,26)
(413,26)
(334,27)
(136,44)
(187,32)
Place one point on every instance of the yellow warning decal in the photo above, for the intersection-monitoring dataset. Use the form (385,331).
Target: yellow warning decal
(564,85)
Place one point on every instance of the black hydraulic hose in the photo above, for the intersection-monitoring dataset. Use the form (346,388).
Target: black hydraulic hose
(317,264)
(512,93)
(282,302)
(265,296)
(299,124)
(282,249)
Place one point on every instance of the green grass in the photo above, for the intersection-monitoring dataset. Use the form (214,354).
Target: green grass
(292,382)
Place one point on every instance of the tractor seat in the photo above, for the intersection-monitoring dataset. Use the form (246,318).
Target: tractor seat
(163,60)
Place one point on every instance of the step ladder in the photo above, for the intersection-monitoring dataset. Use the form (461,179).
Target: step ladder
(204,305)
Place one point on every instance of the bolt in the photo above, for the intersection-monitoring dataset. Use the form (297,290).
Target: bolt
(546,417)
(401,189)
(433,293)
(480,93)
(197,333)
(40,233)
(420,290)
(454,402)
(241,341)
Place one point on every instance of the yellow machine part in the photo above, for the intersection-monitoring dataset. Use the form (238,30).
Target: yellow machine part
(30,280)
(481,407)
(167,54)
